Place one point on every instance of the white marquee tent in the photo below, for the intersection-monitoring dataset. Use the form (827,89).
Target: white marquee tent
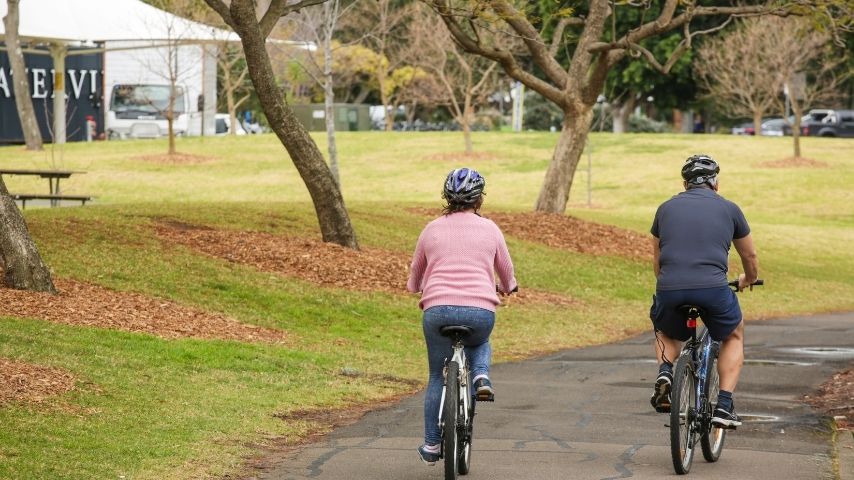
(60,24)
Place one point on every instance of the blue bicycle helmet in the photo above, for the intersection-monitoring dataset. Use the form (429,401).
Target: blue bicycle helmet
(700,169)
(463,186)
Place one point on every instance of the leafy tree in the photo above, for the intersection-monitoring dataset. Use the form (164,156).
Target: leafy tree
(571,47)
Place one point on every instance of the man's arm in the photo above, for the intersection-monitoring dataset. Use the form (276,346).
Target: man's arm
(656,255)
(749,261)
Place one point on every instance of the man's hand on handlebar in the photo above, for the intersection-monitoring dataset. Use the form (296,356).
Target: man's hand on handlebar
(742,283)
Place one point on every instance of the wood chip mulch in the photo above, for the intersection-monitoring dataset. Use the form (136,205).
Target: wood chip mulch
(28,383)
(569,233)
(794,162)
(330,265)
(80,303)
(835,397)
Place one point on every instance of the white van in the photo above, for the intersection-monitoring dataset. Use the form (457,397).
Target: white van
(139,111)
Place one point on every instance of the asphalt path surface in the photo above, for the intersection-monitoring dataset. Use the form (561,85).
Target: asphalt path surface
(585,414)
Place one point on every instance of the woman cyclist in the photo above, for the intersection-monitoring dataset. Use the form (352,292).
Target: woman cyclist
(454,269)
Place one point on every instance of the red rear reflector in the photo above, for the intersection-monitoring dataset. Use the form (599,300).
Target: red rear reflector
(692,323)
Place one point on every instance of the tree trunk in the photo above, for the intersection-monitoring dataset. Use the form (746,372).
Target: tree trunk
(796,127)
(559,176)
(22,265)
(757,122)
(466,121)
(23,102)
(329,107)
(621,116)
(170,123)
(329,206)
(389,115)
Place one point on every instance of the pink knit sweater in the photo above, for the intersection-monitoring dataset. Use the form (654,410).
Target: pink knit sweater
(455,262)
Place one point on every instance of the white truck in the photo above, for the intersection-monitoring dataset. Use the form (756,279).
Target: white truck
(137,88)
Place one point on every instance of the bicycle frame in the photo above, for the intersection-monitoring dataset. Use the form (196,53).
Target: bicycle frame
(700,348)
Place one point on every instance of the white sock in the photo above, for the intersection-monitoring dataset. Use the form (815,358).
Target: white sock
(432,448)
(479,377)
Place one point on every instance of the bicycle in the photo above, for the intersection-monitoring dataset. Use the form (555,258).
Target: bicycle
(456,409)
(694,396)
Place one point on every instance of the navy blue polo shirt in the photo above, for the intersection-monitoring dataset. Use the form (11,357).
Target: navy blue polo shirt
(695,230)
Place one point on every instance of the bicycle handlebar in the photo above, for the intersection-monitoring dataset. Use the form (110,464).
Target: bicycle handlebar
(758,282)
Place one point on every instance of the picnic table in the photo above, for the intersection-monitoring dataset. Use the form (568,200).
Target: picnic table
(53,177)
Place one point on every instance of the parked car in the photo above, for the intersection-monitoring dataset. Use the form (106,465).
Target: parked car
(777,127)
(746,128)
(828,123)
(223,125)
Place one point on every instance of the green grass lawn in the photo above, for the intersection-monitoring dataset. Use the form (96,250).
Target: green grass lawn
(145,407)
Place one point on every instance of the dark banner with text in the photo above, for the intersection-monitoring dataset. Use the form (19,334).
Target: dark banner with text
(84,96)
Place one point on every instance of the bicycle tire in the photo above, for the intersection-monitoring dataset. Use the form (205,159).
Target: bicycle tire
(682,413)
(713,438)
(468,435)
(450,416)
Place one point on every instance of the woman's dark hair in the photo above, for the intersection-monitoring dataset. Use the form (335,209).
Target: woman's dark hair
(461,207)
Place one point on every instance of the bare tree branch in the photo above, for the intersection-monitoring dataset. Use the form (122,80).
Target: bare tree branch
(557,36)
(279,9)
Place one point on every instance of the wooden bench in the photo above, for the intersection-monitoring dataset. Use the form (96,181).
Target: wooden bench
(54,198)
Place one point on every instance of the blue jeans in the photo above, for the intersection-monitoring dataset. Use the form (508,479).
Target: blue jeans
(477,349)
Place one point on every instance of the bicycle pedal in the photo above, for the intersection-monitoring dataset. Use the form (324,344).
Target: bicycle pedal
(485,398)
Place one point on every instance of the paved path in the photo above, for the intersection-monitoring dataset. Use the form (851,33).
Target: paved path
(585,414)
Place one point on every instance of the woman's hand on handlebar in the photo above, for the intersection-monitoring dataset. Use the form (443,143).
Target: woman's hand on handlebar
(502,293)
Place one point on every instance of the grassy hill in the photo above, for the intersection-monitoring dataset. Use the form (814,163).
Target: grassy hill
(143,406)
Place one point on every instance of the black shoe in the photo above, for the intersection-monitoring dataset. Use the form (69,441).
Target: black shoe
(483,391)
(725,419)
(660,399)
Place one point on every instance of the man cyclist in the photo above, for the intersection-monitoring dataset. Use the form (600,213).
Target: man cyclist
(454,267)
(691,237)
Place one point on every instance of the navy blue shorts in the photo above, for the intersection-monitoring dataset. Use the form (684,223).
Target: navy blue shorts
(722,314)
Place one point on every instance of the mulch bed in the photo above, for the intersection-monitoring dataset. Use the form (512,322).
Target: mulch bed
(835,397)
(28,383)
(569,233)
(80,303)
(176,159)
(330,265)
(794,162)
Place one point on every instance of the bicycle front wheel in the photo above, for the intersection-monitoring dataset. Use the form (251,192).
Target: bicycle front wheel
(712,440)
(682,415)
(450,420)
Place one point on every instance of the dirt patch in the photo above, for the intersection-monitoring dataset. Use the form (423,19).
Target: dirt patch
(569,233)
(27,383)
(835,397)
(460,156)
(319,421)
(794,162)
(369,269)
(80,303)
(175,159)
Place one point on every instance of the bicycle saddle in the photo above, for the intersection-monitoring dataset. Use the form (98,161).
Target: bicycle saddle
(455,330)
(686,309)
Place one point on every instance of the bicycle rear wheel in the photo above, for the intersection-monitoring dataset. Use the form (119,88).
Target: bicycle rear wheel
(712,441)
(682,415)
(450,420)
(467,434)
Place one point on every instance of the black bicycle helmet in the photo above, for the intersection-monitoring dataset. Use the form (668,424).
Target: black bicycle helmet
(700,169)
(463,186)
